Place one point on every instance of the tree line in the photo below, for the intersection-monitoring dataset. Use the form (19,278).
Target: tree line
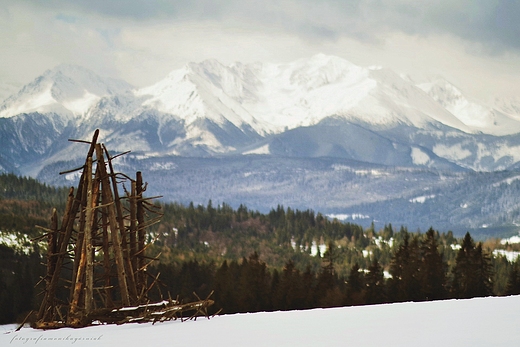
(273,261)
(417,272)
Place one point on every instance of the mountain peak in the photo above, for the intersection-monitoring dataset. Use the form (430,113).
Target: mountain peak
(67,89)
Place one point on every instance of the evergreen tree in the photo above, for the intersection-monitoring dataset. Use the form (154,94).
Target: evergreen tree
(254,285)
(405,265)
(472,272)
(292,291)
(355,286)
(375,284)
(483,285)
(513,281)
(328,289)
(433,269)
(275,294)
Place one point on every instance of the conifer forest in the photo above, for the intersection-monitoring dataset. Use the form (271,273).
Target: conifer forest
(285,259)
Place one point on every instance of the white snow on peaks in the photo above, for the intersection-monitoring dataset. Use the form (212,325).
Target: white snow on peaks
(304,92)
(41,100)
(202,91)
(500,119)
(67,90)
(401,101)
(267,98)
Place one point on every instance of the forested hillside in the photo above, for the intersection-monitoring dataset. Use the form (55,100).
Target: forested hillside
(285,259)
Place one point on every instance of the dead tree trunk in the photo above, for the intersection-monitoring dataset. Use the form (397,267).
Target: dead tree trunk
(112,221)
(140,233)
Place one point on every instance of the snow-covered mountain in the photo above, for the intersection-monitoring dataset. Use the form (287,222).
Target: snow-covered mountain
(264,134)
(314,107)
(500,118)
(67,90)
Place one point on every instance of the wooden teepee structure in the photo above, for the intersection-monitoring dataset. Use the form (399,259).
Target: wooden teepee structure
(96,262)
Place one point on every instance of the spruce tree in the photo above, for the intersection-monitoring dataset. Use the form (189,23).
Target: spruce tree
(472,273)
(355,286)
(513,281)
(404,268)
(375,284)
(433,269)
(483,272)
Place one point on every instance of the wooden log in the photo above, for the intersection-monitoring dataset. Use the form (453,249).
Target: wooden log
(74,319)
(122,229)
(84,268)
(133,228)
(52,245)
(79,246)
(106,259)
(89,275)
(96,241)
(141,233)
(112,221)
(65,234)
(68,207)
(51,260)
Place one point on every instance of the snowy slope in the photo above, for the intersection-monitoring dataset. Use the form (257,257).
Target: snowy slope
(475,323)
(207,109)
(273,97)
(67,90)
(502,118)
(307,91)
(202,91)
(267,98)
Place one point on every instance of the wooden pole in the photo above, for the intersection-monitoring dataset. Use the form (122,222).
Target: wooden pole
(66,231)
(89,275)
(108,199)
(133,229)
(68,208)
(84,267)
(106,258)
(51,261)
(79,246)
(95,230)
(140,232)
(74,319)
(122,229)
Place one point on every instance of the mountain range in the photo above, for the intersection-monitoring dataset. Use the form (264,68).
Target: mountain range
(213,124)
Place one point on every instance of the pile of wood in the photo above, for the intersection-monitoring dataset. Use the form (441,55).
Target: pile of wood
(96,261)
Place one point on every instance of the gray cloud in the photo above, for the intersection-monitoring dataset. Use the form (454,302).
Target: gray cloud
(141,40)
(492,23)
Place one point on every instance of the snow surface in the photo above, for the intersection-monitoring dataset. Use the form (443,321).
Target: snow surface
(477,322)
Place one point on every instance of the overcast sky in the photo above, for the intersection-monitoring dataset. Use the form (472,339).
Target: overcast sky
(473,43)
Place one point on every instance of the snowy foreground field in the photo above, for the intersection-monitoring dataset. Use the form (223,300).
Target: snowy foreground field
(475,322)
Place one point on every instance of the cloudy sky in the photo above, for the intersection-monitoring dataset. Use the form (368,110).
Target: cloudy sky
(473,43)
